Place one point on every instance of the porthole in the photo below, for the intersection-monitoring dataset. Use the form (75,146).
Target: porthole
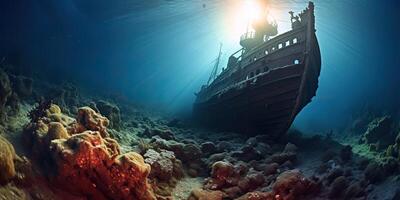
(294,40)
(266,52)
(280,46)
(287,43)
(266,69)
(296,61)
(255,58)
(273,48)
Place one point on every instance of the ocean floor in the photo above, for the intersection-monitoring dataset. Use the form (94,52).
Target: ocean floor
(61,142)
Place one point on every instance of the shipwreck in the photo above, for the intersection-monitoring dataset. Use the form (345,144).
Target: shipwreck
(267,82)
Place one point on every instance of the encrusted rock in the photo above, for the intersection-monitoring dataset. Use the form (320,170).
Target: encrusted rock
(88,119)
(84,160)
(292,185)
(379,132)
(200,194)
(163,164)
(112,113)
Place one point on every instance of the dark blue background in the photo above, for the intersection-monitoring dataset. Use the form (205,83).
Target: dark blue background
(159,52)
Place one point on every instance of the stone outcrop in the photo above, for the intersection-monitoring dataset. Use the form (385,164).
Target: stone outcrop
(379,133)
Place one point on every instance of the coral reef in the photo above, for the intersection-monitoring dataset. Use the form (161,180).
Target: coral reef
(84,160)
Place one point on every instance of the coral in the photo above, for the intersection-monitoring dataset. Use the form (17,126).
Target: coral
(338,187)
(200,194)
(112,113)
(166,170)
(88,119)
(88,164)
(84,160)
(7,156)
(163,164)
(291,185)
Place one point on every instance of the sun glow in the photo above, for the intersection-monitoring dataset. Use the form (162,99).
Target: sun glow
(242,14)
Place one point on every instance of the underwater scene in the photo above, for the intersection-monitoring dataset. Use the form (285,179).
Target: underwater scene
(199,100)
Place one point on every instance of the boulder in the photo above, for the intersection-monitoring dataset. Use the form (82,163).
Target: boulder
(292,184)
(379,132)
(200,194)
(163,164)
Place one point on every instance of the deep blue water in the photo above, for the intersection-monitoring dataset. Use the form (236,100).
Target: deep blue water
(159,52)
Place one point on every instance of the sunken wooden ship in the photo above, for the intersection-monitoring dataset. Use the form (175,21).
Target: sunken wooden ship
(267,82)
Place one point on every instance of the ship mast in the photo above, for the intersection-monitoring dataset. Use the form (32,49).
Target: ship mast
(214,72)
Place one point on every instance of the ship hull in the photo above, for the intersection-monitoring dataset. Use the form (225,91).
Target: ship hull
(267,104)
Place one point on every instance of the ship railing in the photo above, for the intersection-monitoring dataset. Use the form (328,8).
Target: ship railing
(248,35)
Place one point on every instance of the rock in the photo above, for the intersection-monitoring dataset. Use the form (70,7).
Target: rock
(67,97)
(338,187)
(346,153)
(163,164)
(379,132)
(334,173)
(247,153)
(5,94)
(232,192)
(208,148)
(354,190)
(191,152)
(222,170)
(90,165)
(7,157)
(390,166)
(112,113)
(394,149)
(165,134)
(251,181)
(257,196)
(224,146)
(271,169)
(83,159)
(290,148)
(373,172)
(88,119)
(281,158)
(200,194)
(23,86)
(291,185)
